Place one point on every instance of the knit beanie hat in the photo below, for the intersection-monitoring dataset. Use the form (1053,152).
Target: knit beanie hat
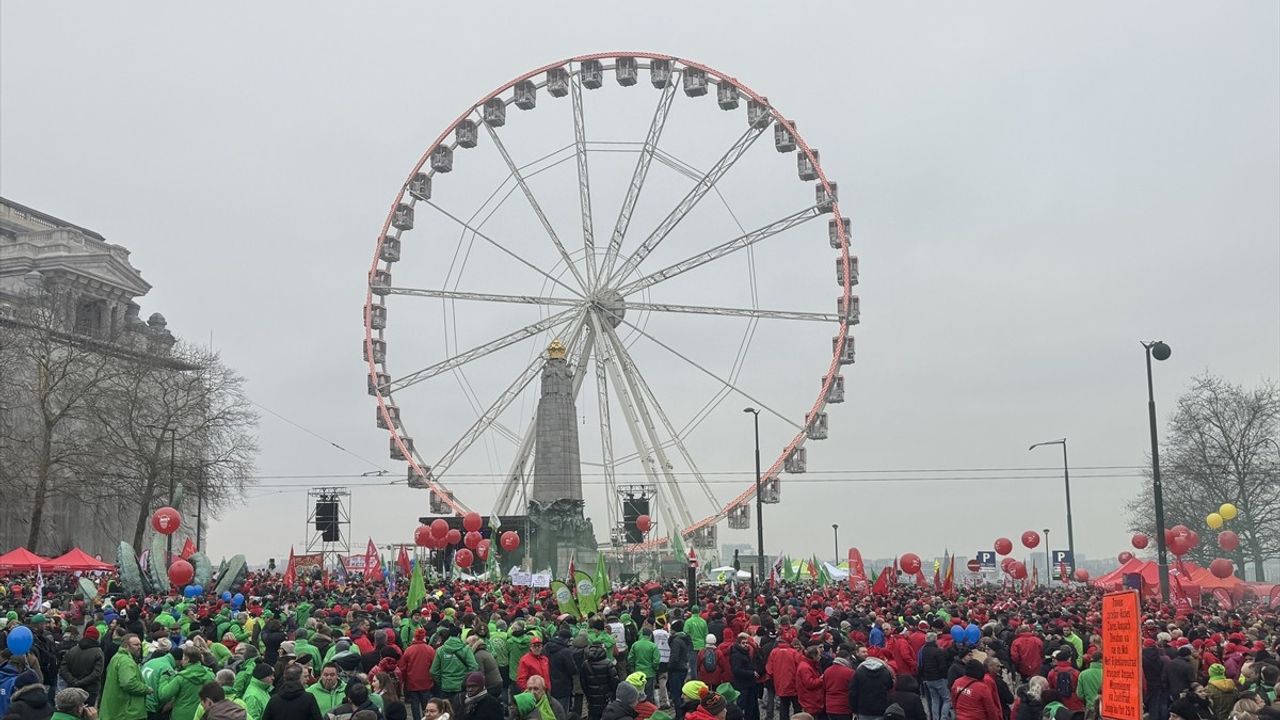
(711,639)
(1217,671)
(693,690)
(524,703)
(25,678)
(475,679)
(714,703)
(627,694)
(638,680)
(70,699)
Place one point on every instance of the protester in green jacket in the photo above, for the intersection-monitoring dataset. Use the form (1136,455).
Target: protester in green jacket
(330,691)
(644,656)
(696,628)
(517,647)
(1076,642)
(258,692)
(159,667)
(183,687)
(453,662)
(497,642)
(124,692)
(1089,685)
(303,646)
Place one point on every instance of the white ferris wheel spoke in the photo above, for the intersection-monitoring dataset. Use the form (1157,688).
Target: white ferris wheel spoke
(625,401)
(533,203)
(524,333)
(486,297)
(690,201)
(726,248)
(502,247)
(712,375)
(584,181)
(606,440)
(737,312)
(634,383)
(639,174)
(629,365)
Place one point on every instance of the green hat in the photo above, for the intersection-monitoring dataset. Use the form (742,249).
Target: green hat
(11,615)
(1217,671)
(693,690)
(638,680)
(524,703)
(659,715)
(36,619)
(727,691)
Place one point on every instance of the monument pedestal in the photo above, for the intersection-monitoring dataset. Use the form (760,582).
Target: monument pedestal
(562,533)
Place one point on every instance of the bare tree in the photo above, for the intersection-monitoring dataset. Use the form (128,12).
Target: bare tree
(193,411)
(1220,447)
(51,374)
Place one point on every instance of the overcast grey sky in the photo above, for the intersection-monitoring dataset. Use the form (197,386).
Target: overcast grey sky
(1034,188)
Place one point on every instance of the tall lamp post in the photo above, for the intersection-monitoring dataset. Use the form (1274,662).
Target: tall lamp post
(1048,564)
(759,503)
(1066,479)
(1160,351)
(835,531)
(173,443)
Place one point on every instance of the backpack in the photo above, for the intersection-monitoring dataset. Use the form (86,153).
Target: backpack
(1051,710)
(1062,683)
(710,659)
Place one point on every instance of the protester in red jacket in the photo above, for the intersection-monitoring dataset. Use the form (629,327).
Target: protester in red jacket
(809,688)
(720,673)
(835,687)
(533,663)
(1027,653)
(1062,676)
(415,664)
(901,656)
(971,696)
(782,668)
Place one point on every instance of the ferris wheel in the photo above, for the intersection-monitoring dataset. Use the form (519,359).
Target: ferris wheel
(567,205)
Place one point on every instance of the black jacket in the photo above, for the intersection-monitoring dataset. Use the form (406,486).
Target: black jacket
(933,662)
(744,670)
(955,671)
(271,642)
(83,665)
(30,703)
(291,702)
(617,710)
(1178,676)
(869,690)
(486,707)
(599,678)
(681,651)
(1029,708)
(910,702)
(563,668)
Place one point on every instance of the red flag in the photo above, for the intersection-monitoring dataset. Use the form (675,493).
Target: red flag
(813,570)
(949,582)
(937,569)
(857,572)
(403,562)
(372,563)
(1224,598)
(881,586)
(569,580)
(920,581)
(290,574)
(188,549)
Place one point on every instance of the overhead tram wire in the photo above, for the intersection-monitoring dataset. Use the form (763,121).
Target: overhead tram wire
(320,437)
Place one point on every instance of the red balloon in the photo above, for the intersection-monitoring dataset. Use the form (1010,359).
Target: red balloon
(1003,546)
(1030,539)
(1168,536)
(1007,564)
(166,520)
(463,558)
(453,537)
(1222,568)
(471,540)
(1140,541)
(181,572)
(482,550)
(439,528)
(910,563)
(471,522)
(644,523)
(1019,571)
(422,536)
(1082,575)
(509,540)
(1124,557)
(1228,540)
(1193,539)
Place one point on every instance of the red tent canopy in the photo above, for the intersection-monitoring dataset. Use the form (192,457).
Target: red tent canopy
(21,559)
(1150,573)
(77,559)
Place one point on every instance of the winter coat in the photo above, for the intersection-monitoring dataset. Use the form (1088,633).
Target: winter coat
(809,688)
(415,666)
(517,648)
(835,688)
(531,665)
(489,666)
(183,690)
(907,696)
(1027,654)
(1072,701)
(870,688)
(30,703)
(1089,684)
(742,668)
(933,662)
(158,668)
(452,663)
(696,628)
(484,707)
(561,665)
(618,710)
(681,651)
(291,702)
(82,666)
(123,692)
(1179,676)
(973,699)
(782,668)
(711,677)
(256,697)
(1027,707)
(599,679)
(644,658)
(902,657)
(271,641)
(327,700)
(226,710)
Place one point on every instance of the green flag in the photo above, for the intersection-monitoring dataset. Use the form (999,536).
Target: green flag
(603,586)
(491,565)
(417,588)
(677,546)
(564,598)
(588,601)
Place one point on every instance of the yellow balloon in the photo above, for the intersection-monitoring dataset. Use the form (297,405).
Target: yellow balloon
(1227,511)
(1214,521)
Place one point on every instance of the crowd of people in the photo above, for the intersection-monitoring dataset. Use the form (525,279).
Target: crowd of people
(319,650)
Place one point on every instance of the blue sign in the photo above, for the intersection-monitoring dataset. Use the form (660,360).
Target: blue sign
(986,558)
(1064,557)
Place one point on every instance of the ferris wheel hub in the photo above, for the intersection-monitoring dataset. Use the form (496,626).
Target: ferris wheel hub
(610,305)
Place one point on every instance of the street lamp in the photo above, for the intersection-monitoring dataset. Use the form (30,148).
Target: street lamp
(173,442)
(1160,351)
(1048,564)
(835,530)
(759,503)
(1066,479)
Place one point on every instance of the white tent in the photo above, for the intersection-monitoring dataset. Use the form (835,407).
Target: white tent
(726,573)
